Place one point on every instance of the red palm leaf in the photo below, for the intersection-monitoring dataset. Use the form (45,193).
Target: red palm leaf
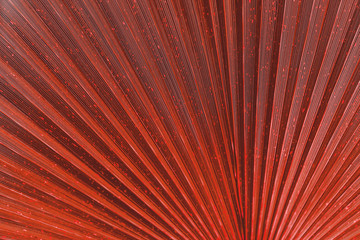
(180,119)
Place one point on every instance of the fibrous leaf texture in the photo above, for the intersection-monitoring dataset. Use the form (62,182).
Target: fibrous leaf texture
(180,119)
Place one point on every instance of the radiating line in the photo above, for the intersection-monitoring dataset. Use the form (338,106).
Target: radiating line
(179,119)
